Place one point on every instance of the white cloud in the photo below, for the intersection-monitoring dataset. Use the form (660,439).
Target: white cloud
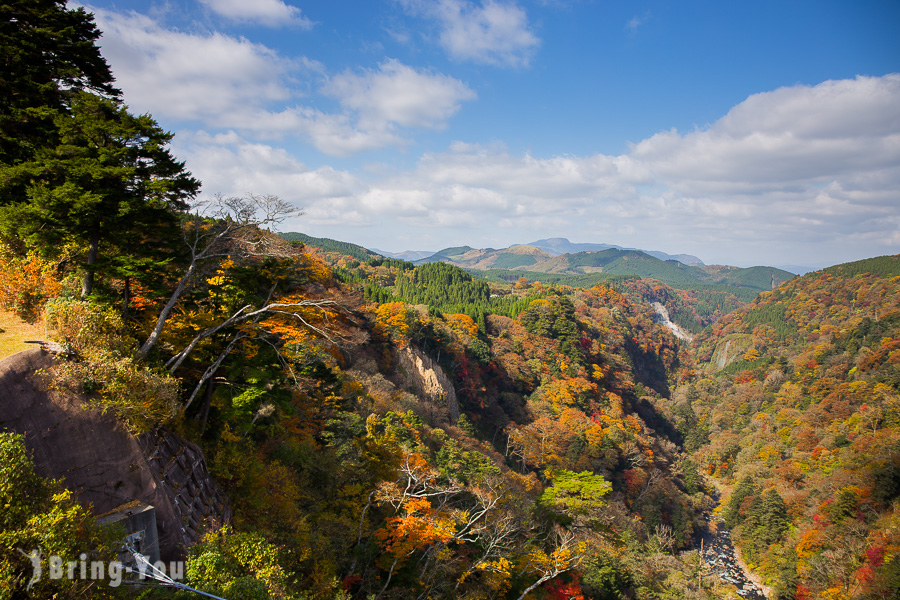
(399,94)
(797,137)
(274,13)
(231,165)
(190,76)
(781,168)
(225,82)
(494,33)
(636,21)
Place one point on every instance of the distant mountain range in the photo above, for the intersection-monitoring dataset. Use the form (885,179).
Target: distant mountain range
(555,247)
(410,255)
(530,260)
(558,259)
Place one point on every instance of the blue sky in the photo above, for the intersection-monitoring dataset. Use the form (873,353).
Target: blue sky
(743,133)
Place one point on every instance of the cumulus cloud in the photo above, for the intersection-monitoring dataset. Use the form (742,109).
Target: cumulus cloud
(493,33)
(226,82)
(231,165)
(399,94)
(273,13)
(813,164)
(189,76)
(796,137)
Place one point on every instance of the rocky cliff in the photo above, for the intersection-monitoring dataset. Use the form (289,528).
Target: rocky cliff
(427,380)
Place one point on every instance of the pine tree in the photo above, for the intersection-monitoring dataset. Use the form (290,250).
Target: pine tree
(745,488)
(49,51)
(110,181)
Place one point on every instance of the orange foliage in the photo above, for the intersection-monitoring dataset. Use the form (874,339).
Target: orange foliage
(810,542)
(745,377)
(25,283)
(417,527)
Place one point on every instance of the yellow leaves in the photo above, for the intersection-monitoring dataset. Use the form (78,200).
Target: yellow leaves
(834,593)
(220,279)
(883,389)
(559,559)
(314,268)
(462,324)
(615,405)
(769,455)
(496,575)
(597,373)
(501,565)
(568,393)
(540,303)
(594,436)
(227,436)
(751,355)
(392,321)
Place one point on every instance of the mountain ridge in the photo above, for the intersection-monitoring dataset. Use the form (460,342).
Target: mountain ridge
(560,245)
(609,262)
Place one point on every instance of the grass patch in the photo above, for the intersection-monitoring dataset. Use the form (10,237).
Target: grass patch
(14,331)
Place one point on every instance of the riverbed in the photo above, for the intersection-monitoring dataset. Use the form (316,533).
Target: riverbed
(720,557)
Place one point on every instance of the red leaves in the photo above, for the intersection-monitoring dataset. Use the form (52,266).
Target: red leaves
(557,590)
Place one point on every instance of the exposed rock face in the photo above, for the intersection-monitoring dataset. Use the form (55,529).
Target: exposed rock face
(427,380)
(729,349)
(721,358)
(103,463)
(677,331)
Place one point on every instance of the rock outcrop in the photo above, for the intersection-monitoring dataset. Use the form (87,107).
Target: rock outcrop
(103,463)
(666,322)
(427,380)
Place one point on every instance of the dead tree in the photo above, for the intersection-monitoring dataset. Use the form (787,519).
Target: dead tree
(219,229)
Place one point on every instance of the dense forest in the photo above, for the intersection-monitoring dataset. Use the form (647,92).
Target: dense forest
(575,447)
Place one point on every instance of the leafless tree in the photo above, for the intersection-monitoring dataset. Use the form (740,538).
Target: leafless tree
(219,228)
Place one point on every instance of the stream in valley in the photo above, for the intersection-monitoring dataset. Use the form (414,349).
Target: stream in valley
(720,558)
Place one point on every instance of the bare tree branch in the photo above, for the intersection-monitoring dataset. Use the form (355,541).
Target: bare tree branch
(241,316)
(218,229)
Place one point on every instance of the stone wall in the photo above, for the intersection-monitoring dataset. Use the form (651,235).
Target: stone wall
(104,464)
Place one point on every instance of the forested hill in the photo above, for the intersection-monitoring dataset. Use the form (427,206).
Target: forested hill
(332,246)
(694,296)
(798,414)
(369,446)
(587,268)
